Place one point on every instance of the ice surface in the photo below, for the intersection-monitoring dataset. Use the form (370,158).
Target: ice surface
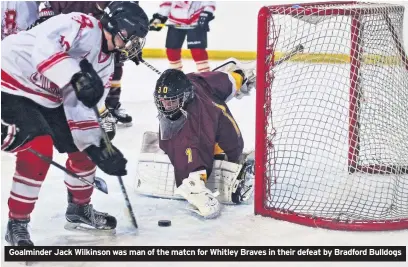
(237,225)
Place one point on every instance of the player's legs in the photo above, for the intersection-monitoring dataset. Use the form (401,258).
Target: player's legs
(174,41)
(197,43)
(33,133)
(112,101)
(79,211)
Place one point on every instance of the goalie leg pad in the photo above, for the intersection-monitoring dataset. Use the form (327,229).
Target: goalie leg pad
(234,182)
(155,176)
(155,173)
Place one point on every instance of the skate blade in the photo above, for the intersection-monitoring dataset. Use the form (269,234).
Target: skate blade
(124,125)
(80,227)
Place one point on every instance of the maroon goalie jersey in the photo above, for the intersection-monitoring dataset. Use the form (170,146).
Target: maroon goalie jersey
(209,124)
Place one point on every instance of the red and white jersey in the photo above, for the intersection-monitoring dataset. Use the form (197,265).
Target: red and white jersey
(17,16)
(39,63)
(185,12)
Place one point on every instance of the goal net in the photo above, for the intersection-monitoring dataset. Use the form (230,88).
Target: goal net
(332,115)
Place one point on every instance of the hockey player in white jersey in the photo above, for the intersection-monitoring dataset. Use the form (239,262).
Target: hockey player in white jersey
(17,16)
(51,78)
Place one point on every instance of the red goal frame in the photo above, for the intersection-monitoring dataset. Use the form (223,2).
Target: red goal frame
(265,60)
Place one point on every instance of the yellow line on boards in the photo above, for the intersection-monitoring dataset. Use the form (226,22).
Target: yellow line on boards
(304,57)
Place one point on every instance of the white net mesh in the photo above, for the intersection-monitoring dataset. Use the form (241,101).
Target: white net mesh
(337,128)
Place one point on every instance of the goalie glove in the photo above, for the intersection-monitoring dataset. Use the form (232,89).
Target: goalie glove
(247,70)
(248,82)
(202,200)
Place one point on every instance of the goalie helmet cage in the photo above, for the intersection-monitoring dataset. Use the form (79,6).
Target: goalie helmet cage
(332,116)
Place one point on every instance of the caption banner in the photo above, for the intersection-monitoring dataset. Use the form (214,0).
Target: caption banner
(205,253)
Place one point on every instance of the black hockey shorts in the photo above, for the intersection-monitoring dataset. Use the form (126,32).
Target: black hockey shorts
(196,38)
(34,120)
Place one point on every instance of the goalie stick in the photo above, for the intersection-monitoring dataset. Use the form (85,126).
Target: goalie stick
(99,183)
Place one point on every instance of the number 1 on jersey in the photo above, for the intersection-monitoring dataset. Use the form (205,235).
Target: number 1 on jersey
(189,154)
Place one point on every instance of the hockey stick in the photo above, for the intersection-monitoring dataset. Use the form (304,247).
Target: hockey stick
(151,67)
(292,53)
(397,42)
(177,26)
(111,152)
(99,183)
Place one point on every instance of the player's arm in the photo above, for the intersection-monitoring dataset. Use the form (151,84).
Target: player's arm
(209,6)
(206,15)
(160,17)
(224,85)
(28,14)
(56,40)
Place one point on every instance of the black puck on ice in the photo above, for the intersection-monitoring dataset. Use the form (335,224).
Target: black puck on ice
(164,223)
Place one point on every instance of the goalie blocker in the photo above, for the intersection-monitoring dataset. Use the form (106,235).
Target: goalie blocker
(155,175)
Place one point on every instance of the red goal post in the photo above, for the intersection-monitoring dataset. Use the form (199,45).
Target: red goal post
(332,116)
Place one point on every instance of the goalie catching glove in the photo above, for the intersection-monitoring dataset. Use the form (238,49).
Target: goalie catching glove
(248,82)
(246,72)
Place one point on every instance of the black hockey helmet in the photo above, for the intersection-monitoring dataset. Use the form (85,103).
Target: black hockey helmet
(172,93)
(129,17)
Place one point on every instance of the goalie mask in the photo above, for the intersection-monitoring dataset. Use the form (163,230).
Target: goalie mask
(172,94)
(128,21)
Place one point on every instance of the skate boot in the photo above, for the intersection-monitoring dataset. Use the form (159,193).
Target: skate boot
(85,218)
(17,233)
(121,115)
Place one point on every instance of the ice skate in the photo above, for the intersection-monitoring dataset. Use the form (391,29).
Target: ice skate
(108,123)
(120,115)
(85,218)
(17,233)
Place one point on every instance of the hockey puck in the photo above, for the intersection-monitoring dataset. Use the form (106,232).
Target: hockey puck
(164,223)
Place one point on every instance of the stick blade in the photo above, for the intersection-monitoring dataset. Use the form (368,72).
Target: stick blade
(101,185)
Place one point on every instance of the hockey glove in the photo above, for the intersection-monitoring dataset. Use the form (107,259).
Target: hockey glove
(204,20)
(87,84)
(138,58)
(248,83)
(157,19)
(110,163)
(8,135)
